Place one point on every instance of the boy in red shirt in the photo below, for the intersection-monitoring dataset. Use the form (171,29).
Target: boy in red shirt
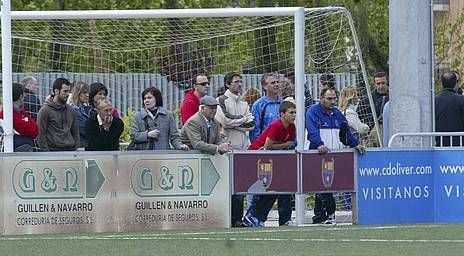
(279,135)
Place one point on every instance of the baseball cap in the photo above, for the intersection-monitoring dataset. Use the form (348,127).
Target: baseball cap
(208,101)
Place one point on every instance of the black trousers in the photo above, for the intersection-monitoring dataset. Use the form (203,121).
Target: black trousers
(324,206)
(237,210)
(265,203)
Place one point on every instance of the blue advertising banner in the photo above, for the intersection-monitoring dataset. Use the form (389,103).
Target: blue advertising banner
(395,187)
(449,186)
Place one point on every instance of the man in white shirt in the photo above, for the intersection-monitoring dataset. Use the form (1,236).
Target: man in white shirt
(236,119)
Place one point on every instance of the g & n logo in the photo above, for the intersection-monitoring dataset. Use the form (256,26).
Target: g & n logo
(149,178)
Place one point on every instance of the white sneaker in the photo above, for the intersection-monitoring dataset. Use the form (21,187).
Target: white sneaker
(330,220)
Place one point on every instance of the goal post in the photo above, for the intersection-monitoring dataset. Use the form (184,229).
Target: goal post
(7,137)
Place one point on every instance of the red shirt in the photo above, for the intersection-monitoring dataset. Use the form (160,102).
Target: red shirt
(276,132)
(189,106)
(23,123)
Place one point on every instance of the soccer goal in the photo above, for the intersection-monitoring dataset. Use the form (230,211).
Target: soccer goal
(132,50)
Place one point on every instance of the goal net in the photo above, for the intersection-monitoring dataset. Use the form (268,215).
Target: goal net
(128,55)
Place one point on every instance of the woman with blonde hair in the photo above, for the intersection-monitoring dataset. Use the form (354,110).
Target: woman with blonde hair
(348,104)
(250,96)
(80,104)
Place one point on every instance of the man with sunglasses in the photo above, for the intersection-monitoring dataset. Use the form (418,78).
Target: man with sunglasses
(192,99)
(327,129)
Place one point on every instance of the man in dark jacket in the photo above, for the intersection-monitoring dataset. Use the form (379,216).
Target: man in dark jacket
(449,110)
(103,129)
(58,125)
(379,97)
(31,101)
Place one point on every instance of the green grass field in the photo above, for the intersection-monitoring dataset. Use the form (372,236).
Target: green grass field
(437,239)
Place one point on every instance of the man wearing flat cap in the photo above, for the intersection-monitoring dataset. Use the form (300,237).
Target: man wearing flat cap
(201,131)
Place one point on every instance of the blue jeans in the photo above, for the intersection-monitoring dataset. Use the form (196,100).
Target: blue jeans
(251,203)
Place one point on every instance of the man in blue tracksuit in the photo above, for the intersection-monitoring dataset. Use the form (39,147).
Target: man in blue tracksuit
(265,110)
(327,129)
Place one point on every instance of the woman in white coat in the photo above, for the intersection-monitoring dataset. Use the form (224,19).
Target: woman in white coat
(348,104)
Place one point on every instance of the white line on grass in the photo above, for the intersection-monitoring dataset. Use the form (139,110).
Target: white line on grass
(365,240)
(175,235)
(277,230)
(302,239)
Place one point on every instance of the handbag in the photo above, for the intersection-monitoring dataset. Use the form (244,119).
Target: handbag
(139,146)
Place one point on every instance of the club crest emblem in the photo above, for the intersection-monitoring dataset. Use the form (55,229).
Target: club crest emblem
(265,172)
(328,172)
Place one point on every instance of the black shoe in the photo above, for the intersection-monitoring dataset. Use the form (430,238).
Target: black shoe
(319,219)
(287,223)
(238,224)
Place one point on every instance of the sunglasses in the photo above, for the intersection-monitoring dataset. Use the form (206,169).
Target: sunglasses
(203,84)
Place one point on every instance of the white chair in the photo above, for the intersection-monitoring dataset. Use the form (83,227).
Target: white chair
(2,133)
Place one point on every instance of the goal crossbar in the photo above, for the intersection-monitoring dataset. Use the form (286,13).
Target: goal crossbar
(170,13)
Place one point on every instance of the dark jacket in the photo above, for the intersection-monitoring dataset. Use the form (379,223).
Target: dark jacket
(100,139)
(82,114)
(58,127)
(379,102)
(449,115)
(31,103)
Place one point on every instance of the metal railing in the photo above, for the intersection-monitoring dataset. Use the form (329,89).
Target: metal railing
(441,2)
(427,139)
(441,5)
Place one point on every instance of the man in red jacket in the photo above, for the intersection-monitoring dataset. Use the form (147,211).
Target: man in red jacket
(24,126)
(192,99)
